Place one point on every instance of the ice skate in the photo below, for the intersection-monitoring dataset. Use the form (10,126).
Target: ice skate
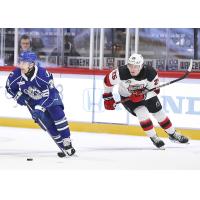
(68,150)
(177,137)
(157,142)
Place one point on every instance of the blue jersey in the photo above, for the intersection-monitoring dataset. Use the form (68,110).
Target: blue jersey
(40,87)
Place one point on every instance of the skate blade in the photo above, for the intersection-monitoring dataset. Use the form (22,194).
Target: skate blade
(63,155)
(161,148)
(177,142)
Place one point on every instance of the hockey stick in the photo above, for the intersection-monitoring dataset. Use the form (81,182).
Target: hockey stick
(163,85)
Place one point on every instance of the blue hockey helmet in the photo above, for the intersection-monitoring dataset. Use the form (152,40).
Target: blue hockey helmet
(28,56)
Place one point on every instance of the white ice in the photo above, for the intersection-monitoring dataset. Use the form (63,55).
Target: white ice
(94,151)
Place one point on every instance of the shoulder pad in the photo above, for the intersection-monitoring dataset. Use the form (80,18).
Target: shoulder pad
(43,73)
(14,74)
(150,73)
(124,72)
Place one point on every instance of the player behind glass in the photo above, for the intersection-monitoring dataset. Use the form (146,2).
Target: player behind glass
(33,85)
(134,79)
(25,43)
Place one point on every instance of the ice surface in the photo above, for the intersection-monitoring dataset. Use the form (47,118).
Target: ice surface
(94,151)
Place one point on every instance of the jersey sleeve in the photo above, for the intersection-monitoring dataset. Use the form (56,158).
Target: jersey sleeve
(11,84)
(153,84)
(110,80)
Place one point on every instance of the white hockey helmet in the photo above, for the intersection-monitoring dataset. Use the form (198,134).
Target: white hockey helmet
(136,59)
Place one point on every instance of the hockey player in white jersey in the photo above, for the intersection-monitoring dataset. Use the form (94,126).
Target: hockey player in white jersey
(134,79)
(33,86)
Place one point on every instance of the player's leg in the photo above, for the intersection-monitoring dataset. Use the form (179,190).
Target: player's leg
(60,121)
(142,114)
(157,111)
(145,122)
(46,123)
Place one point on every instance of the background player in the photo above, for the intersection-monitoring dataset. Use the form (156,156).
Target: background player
(33,85)
(134,79)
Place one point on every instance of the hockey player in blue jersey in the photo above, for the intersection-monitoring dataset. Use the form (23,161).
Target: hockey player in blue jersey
(33,86)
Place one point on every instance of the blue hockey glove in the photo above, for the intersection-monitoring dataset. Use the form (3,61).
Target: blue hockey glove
(21,98)
(38,113)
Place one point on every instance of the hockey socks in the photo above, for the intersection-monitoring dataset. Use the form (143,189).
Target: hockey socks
(145,122)
(164,121)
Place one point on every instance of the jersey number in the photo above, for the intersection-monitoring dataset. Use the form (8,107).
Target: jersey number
(114,75)
(156,81)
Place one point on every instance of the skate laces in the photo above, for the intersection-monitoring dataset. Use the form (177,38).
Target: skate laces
(66,142)
(156,139)
(177,136)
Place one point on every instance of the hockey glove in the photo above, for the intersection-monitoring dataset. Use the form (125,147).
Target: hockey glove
(21,98)
(109,102)
(157,91)
(38,113)
(137,96)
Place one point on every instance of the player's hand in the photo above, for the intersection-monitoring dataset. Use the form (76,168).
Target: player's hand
(21,98)
(38,113)
(137,96)
(109,102)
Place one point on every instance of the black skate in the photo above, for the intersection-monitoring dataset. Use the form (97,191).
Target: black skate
(68,150)
(157,142)
(177,137)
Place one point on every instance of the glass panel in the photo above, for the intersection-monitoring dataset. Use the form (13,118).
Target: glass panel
(152,45)
(7,39)
(181,43)
(180,46)
(1,48)
(132,41)
(164,48)
(114,53)
(46,42)
(97,33)
(114,47)
(152,42)
(76,47)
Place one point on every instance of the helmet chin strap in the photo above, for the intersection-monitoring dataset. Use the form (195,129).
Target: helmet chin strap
(31,70)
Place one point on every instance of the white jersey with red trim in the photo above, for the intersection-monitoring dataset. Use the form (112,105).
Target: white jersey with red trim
(146,79)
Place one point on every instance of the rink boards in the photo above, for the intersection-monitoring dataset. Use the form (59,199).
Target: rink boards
(84,106)
(99,128)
